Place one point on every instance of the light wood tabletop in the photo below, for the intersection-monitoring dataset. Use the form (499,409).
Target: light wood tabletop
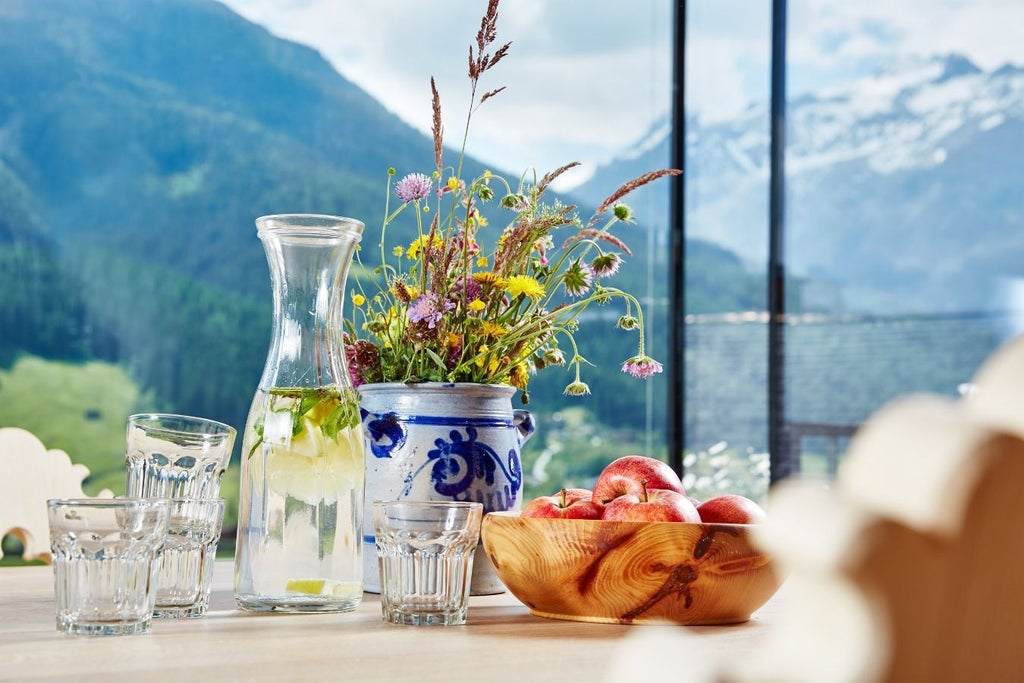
(502,641)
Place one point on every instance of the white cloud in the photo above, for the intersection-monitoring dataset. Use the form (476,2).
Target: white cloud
(835,35)
(580,79)
(587,78)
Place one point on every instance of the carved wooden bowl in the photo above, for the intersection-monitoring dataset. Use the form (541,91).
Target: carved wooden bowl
(630,572)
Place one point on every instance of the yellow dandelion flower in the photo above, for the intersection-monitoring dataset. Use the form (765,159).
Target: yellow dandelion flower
(476,305)
(525,285)
(491,330)
(489,277)
(452,340)
(358,299)
(418,244)
(453,183)
(520,376)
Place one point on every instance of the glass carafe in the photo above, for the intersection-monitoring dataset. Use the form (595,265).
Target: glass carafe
(301,494)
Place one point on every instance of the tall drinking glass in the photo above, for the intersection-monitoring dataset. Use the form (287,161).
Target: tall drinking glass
(176,456)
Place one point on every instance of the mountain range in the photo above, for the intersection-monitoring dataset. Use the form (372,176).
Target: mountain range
(903,187)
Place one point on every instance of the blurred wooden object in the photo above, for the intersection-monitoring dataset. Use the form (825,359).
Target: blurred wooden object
(31,475)
(909,566)
(630,572)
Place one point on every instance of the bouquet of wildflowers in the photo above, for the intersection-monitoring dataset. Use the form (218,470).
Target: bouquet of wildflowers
(446,308)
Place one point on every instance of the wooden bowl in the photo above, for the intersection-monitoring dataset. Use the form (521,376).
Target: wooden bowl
(630,572)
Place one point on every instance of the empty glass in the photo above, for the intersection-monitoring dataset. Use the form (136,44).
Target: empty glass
(185,565)
(104,562)
(174,456)
(425,557)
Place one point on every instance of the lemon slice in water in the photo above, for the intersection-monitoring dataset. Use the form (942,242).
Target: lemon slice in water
(307,586)
(322,587)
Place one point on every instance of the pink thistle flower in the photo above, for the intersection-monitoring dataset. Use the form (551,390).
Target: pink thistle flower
(413,187)
(427,308)
(641,366)
(606,265)
(578,278)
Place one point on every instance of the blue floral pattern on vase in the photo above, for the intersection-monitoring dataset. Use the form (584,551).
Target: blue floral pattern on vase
(456,466)
(385,433)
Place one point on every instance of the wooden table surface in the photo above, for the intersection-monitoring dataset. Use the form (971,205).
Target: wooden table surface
(502,641)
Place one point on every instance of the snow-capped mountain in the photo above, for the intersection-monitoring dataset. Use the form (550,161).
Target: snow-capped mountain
(904,188)
(898,119)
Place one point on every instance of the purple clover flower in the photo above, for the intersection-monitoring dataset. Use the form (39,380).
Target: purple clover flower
(471,289)
(413,187)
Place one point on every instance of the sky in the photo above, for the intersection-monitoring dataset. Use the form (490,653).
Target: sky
(587,79)
(584,79)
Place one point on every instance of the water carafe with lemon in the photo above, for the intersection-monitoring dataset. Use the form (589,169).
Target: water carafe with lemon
(302,471)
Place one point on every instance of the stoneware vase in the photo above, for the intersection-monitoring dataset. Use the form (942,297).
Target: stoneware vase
(438,441)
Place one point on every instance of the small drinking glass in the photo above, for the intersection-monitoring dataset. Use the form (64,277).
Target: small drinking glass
(425,556)
(176,456)
(104,562)
(185,564)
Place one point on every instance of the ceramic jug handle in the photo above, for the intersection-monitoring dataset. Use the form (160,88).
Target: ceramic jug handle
(523,421)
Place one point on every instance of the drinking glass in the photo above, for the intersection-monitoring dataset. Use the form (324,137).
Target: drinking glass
(185,565)
(175,456)
(425,556)
(104,562)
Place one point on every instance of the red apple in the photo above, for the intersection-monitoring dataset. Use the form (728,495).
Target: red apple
(730,508)
(567,504)
(653,505)
(631,473)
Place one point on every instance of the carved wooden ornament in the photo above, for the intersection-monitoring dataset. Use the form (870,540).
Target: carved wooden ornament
(31,474)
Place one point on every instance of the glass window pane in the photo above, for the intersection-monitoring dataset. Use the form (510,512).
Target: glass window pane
(726,222)
(904,226)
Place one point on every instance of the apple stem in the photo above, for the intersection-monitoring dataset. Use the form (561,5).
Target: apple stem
(643,483)
(563,500)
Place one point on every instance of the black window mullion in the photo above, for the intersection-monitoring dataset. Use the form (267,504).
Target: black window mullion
(676,399)
(778,451)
